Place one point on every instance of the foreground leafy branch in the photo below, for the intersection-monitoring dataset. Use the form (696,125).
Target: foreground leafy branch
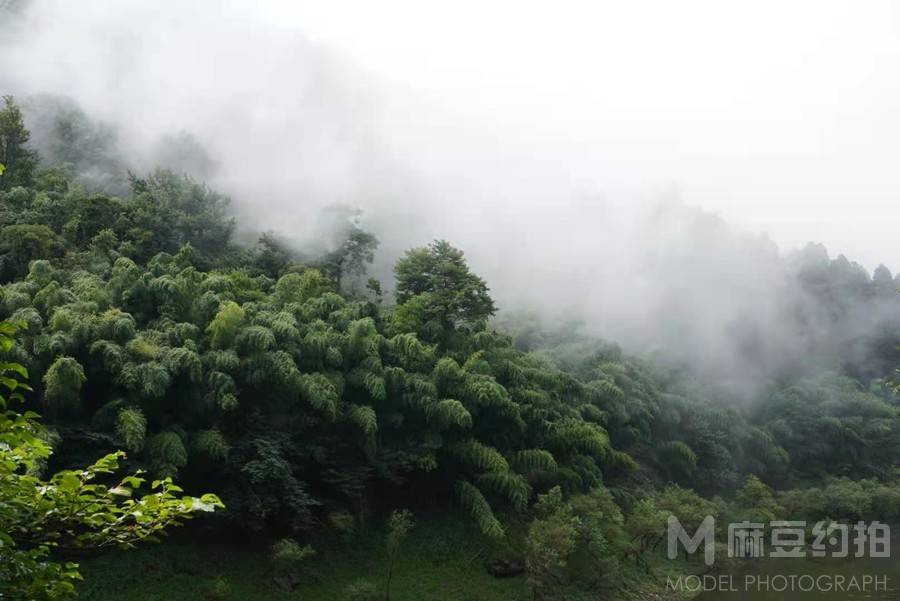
(74,509)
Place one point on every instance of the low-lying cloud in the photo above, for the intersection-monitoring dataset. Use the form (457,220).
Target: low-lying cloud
(539,192)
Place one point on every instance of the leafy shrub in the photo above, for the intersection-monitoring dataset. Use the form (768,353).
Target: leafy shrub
(287,559)
(361,590)
(217,590)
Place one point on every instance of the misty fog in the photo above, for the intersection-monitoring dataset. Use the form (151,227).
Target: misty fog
(657,197)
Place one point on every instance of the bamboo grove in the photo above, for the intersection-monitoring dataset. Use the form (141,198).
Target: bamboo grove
(309,401)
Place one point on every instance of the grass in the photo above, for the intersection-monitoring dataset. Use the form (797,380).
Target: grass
(443,560)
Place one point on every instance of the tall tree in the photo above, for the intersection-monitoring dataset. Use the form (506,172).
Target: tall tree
(356,249)
(19,161)
(436,288)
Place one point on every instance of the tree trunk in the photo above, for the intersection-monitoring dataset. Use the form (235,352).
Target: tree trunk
(387,586)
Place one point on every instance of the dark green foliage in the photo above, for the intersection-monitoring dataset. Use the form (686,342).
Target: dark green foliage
(18,160)
(552,537)
(62,385)
(436,292)
(218,589)
(131,428)
(829,425)
(477,506)
(399,526)
(347,263)
(71,142)
(512,487)
(169,211)
(240,381)
(22,244)
(361,590)
(479,456)
(72,510)
(309,406)
(844,500)
(210,444)
(700,436)
(288,557)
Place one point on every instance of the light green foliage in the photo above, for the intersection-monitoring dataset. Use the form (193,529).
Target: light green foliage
(483,391)
(399,526)
(271,376)
(222,390)
(361,590)
(647,520)
(479,456)
(182,361)
(342,522)
(602,537)
(474,502)
(413,354)
(319,392)
(73,509)
(167,453)
(448,413)
(255,340)
(131,428)
(375,386)
(646,524)
(287,558)
(757,503)
(678,458)
(585,437)
(62,384)
(365,419)
(224,328)
(551,539)
(509,485)
(532,460)
(210,444)
(151,380)
(689,507)
(300,287)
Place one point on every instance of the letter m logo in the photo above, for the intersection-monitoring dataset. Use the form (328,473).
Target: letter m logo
(705,534)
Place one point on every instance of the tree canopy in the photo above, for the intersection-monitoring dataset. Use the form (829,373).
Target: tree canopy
(73,509)
(308,405)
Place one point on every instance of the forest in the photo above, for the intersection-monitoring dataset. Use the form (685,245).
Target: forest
(300,410)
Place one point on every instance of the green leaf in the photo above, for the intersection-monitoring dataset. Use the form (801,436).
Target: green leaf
(69,481)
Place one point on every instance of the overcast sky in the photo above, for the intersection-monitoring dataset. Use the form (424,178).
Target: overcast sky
(780,116)
(783,117)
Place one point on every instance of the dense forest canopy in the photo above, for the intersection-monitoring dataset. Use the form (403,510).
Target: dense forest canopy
(311,401)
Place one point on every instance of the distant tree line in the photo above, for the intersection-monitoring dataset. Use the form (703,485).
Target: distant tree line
(289,386)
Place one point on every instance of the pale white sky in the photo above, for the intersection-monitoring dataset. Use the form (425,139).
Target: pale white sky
(784,117)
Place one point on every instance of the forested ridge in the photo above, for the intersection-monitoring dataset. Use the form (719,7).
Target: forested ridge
(313,403)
